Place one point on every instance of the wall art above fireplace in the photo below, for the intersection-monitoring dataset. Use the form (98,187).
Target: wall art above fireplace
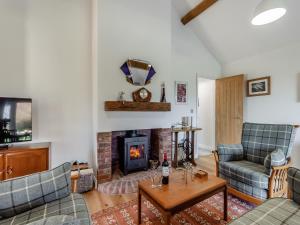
(138,72)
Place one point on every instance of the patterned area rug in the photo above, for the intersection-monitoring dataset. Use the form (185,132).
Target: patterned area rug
(208,212)
(124,185)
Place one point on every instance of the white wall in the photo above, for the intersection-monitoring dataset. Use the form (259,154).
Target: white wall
(206,115)
(94,73)
(12,48)
(59,76)
(189,59)
(283,105)
(148,30)
(45,54)
(136,29)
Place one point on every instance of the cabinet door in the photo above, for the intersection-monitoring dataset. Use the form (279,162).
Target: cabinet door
(1,166)
(24,162)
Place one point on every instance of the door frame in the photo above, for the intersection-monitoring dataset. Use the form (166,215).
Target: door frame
(213,133)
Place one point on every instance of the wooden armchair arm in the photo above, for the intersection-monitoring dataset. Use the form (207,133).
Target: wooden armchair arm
(278,181)
(284,167)
(216,156)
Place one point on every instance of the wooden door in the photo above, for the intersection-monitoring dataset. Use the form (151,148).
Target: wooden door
(24,162)
(229,109)
(2,167)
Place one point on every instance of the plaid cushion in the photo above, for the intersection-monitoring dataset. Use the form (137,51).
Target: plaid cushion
(276,211)
(73,205)
(275,158)
(249,173)
(233,152)
(259,140)
(294,183)
(25,193)
(245,188)
(57,220)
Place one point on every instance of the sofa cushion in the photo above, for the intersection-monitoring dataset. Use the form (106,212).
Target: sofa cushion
(57,220)
(246,172)
(275,158)
(25,193)
(294,184)
(259,140)
(279,211)
(232,152)
(246,189)
(72,205)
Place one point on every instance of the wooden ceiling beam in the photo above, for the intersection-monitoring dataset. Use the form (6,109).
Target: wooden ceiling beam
(200,8)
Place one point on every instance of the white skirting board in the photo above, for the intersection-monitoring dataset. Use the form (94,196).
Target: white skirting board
(204,150)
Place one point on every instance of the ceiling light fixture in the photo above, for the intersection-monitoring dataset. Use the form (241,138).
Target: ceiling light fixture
(268,11)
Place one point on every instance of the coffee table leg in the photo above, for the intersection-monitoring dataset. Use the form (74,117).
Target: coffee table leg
(139,208)
(225,203)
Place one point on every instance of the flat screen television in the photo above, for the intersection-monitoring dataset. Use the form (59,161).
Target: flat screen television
(15,120)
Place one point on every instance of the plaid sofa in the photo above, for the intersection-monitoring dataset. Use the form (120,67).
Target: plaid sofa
(42,198)
(242,165)
(277,210)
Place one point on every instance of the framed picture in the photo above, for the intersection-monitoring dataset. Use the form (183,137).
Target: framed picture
(181,92)
(259,86)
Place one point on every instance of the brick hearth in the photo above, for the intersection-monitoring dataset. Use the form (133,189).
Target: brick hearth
(108,156)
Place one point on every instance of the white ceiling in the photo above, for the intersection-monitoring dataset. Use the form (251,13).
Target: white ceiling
(226,30)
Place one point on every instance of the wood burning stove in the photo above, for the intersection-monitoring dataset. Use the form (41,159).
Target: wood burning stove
(133,152)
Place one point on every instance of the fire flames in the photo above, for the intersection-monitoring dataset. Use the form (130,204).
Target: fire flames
(135,152)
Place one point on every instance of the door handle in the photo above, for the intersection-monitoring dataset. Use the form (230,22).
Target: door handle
(237,118)
(9,170)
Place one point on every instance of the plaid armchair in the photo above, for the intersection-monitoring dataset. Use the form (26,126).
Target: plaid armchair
(256,169)
(277,210)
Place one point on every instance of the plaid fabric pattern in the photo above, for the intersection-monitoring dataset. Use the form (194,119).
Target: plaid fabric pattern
(294,184)
(259,140)
(25,193)
(245,188)
(57,220)
(232,152)
(249,173)
(276,211)
(275,158)
(73,206)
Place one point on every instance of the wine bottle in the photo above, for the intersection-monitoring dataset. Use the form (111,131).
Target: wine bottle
(165,170)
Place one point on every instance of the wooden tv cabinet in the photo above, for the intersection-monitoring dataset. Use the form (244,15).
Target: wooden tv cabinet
(21,161)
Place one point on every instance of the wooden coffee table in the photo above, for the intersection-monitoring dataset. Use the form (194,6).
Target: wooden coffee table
(178,196)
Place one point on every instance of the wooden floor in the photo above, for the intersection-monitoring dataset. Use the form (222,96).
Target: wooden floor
(97,201)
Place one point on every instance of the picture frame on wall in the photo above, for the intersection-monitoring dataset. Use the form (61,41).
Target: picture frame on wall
(181,92)
(259,86)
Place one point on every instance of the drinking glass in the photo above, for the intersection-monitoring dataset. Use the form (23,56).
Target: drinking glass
(158,177)
(153,167)
(188,169)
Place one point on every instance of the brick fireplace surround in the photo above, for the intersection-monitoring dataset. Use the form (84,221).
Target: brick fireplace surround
(108,156)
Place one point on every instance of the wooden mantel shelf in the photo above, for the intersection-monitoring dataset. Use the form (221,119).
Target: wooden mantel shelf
(137,106)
